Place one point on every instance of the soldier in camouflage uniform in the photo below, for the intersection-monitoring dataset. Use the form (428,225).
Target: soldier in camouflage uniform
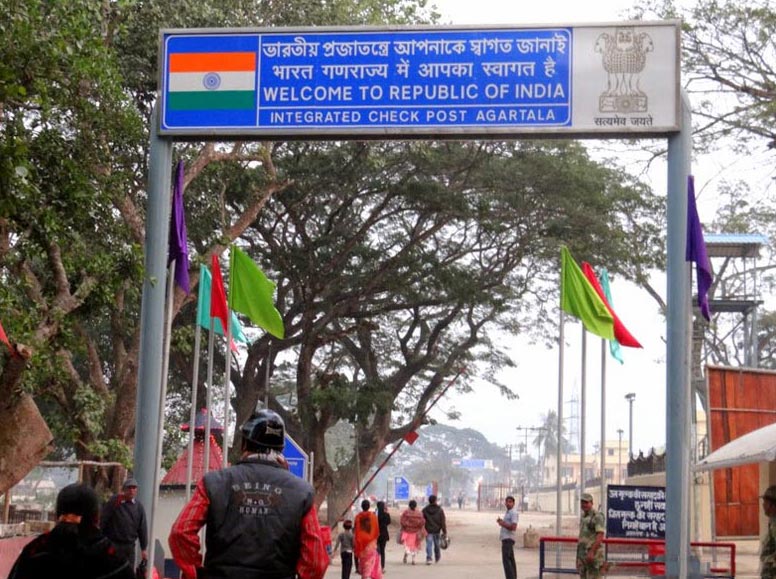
(768,548)
(590,553)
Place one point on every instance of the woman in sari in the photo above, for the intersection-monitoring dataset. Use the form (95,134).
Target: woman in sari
(366,532)
(412,531)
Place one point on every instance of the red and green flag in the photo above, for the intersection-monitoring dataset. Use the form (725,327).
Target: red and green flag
(578,298)
(251,293)
(621,333)
(203,309)
(217,295)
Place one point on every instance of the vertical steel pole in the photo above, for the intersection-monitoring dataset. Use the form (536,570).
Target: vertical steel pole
(583,411)
(602,446)
(152,317)
(677,350)
(630,397)
(558,500)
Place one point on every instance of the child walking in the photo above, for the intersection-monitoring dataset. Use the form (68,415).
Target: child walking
(344,543)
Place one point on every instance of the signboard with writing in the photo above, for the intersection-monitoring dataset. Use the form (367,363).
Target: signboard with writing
(296,457)
(635,512)
(473,463)
(401,488)
(434,82)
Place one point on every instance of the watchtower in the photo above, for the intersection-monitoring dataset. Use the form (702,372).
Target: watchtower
(738,290)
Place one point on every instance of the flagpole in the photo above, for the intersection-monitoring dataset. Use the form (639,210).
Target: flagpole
(162,400)
(560,423)
(228,367)
(193,412)
(583,410)
(602,499)
(209,401)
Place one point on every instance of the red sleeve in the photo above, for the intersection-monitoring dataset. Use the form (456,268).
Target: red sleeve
(313,559)
(184,536)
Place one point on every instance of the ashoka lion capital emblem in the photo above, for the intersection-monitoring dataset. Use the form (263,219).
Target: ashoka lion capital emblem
(623,56)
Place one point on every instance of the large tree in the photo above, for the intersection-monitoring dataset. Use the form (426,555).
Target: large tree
(78,81)
(397,263)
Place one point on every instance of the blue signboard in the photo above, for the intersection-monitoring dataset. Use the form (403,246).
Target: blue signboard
(364,81)
(296,457)
(634,512)
(401,488)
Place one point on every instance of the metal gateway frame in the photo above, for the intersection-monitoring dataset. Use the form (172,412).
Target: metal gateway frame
(600,103)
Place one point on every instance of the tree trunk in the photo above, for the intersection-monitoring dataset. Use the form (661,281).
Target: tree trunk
(20,454)
(338,499)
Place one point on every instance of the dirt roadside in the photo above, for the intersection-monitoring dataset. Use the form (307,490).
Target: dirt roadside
(474,552)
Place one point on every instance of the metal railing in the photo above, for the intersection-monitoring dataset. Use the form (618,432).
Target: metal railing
(637,558)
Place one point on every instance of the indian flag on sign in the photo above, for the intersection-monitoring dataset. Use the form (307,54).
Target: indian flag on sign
(210,81)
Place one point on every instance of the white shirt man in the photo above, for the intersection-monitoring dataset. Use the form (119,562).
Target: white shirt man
(508,524)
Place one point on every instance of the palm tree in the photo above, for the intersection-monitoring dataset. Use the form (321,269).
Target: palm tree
(547,440)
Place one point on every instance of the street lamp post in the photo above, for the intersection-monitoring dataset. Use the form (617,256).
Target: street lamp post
(630,397)
(619,457)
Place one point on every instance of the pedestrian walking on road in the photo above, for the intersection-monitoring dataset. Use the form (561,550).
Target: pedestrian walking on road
(413,529)
(344,543)
(383,521)
(508,524)
(768,547)
(590,555)
(436,525)
(123,521)
(366,533)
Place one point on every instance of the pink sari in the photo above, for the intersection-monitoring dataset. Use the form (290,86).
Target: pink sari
(411,542)
(369,561)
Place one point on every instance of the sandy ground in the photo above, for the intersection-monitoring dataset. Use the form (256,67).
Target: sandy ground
(475,550)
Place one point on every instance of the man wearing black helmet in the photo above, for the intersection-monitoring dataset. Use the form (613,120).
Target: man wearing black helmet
(261,520)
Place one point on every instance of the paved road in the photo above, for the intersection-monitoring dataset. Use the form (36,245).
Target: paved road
(475,552)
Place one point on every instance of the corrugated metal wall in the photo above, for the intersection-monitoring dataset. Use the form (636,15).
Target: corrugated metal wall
(740,400)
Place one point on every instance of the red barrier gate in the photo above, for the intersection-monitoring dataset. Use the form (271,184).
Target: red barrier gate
(637,558)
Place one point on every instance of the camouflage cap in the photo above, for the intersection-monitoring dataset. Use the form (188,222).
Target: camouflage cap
(770,493)
(586,497)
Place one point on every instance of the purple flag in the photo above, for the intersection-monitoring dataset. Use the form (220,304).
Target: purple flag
(696,250)
(179,248)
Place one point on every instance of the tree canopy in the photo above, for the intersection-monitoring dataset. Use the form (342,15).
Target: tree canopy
(729,66)
(397,263)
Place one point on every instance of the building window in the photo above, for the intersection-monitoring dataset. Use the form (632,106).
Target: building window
(609,452)
(610,473)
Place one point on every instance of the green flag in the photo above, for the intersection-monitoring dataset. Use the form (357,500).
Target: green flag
(250,293)
(203,309)
(578,298)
